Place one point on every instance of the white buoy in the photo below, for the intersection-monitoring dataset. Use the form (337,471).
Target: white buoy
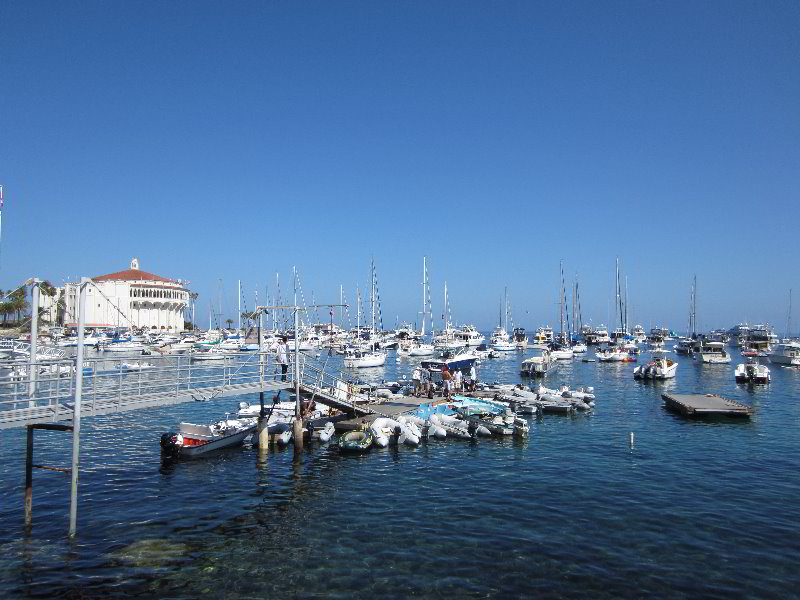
(630,440)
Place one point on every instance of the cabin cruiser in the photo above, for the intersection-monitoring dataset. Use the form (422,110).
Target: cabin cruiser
(519,337)
(599,336)
(613,354)
(751,372)
(684,346)
(661,368)
(618,336)
(538,365)
(500,341)
(469,336)
(460,360)
(561,352)
(420,349)
(711,352)
(786,353)
(543,337)
(639,336)
(354,359)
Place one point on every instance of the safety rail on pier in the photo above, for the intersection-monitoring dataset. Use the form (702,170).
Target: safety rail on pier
(126,383)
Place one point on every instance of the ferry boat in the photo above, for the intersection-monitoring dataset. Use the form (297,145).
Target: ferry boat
(786,353)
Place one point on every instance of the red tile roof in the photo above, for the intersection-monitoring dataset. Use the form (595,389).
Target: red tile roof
(132,275)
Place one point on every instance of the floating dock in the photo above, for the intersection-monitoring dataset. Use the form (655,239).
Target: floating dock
(705,405)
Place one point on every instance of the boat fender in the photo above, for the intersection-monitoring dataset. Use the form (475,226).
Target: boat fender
(285,437)
(482,431)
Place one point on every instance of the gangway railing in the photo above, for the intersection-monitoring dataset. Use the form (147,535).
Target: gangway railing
(125,383)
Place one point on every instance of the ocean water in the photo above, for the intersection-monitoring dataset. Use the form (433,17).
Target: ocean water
(694,509)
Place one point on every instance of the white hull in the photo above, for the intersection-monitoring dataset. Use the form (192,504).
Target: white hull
(376,359)
(421,350)
(713,359)
(562,354)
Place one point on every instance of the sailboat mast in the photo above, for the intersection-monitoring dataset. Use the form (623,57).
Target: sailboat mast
(789,318)
(505,294)
(424,277)
(239,330)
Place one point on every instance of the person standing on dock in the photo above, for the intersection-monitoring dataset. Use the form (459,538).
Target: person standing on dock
(473,378)
(283,358)
(447,378)
(458,378)
(416,378)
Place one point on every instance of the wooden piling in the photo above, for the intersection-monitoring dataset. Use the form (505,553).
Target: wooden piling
(29,479)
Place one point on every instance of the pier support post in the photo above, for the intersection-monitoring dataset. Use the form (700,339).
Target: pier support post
(34,340)
(29,479)
(76,419)
(262,431)
(298,418)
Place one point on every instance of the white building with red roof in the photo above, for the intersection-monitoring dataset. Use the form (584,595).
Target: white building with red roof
(131,298)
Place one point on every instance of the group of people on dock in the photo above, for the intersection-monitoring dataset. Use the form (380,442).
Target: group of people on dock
(452,382)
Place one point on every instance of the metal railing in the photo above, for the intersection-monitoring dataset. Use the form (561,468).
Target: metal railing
(120,383)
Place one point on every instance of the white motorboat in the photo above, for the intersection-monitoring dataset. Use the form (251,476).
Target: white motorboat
(752,372)
(712,353)
(538,365)
(612,355)
(559,352)
(684,346)
(520,338)
(661,368)
(193,440)
(124,347)
(543,337)
(421,350)
(357,359)
(639,334)
(786,353)
(469,336)
(579,348)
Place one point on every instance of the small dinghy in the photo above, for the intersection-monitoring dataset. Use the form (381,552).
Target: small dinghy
(356,442)
(325,434)
(193,440)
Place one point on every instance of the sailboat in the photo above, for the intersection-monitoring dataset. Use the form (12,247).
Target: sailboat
(359,358)
(500,341)
(562,350)
(421,348)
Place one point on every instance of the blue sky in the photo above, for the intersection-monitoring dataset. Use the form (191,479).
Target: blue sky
(224,141)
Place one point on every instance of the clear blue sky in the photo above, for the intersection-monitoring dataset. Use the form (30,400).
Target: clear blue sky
(230,141)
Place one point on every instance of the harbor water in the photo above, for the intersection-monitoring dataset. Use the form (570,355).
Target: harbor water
(693,509)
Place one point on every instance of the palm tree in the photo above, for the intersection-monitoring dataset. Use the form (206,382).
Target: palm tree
(229,322)
(19,302)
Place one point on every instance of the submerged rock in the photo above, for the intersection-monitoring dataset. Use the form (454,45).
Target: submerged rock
(151,553)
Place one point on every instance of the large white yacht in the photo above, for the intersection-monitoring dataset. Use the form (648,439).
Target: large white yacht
(500,340)
(469,336)
(786,353)
(712,353)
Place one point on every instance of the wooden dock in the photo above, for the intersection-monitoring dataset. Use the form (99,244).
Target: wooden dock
(705,405)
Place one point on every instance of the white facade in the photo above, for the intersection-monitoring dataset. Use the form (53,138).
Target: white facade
(130,298)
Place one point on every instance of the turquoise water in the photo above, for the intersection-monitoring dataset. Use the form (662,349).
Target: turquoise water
(695,509)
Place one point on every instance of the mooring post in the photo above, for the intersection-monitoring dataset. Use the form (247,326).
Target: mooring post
(76,419)
(29,479)
(297,433)
(34,340)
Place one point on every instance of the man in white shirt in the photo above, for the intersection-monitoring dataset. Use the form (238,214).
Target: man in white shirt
(283,358)
(416,378)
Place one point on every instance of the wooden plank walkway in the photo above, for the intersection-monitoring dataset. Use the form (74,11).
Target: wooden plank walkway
(705,405)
